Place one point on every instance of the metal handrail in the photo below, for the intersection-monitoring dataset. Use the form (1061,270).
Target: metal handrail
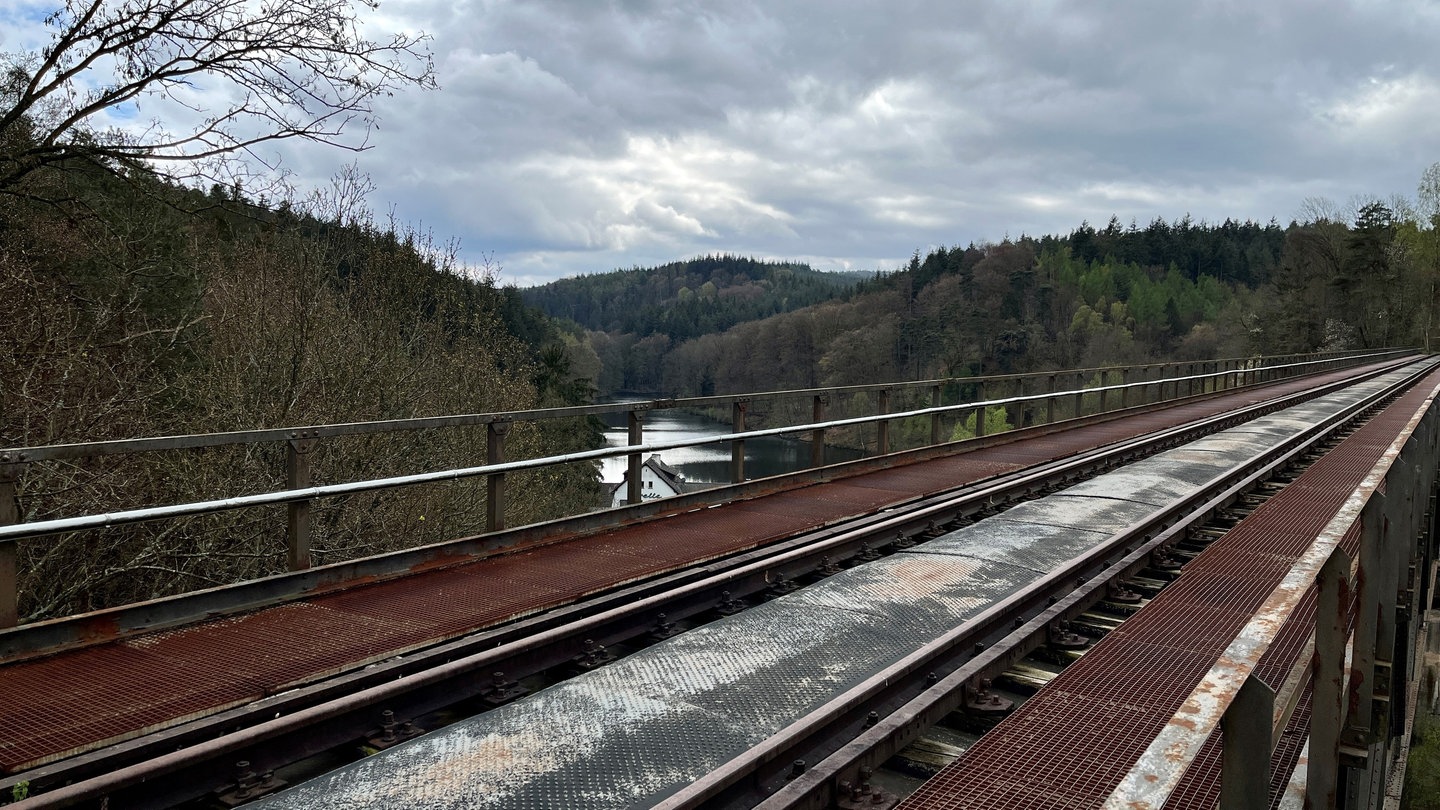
(61,525)
(299,493)
(24,454)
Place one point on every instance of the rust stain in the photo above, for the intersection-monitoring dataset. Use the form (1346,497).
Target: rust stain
(98,628)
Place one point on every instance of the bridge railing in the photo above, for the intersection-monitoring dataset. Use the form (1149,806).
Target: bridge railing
(1033,398)
(1358,713)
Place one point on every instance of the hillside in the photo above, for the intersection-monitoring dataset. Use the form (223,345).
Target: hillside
(684,300)
(137,308)
(1170,290)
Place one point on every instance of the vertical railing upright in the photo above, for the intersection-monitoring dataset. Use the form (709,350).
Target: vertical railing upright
(495,433)
(1248,736)
(935,418)
(9,550)
(1327,701)
(635,423)
(817,436)
(882,427)
(737,446)
(1051,386)
(980,411)
(297,518)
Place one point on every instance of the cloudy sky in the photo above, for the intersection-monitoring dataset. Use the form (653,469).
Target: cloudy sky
(578,136)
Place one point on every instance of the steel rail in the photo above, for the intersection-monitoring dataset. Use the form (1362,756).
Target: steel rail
(42,528)
(757,778)
(346,706)
(24,454)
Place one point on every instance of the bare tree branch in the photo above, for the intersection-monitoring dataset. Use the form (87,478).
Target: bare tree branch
(269,71)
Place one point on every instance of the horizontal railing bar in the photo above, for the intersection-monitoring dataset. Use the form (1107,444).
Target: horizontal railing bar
(61,525)
(204,440)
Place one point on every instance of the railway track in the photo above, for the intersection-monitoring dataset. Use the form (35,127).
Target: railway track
(953,673)
(388,702)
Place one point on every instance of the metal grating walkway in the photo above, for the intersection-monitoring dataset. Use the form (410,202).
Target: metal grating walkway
(85,698)
(1070,745)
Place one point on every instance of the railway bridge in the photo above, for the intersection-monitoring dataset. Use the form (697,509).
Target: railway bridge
(1176,585)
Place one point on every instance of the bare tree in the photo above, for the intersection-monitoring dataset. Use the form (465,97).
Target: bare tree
(246,74)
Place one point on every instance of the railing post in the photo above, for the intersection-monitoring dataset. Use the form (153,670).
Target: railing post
(9,550)
(297,517)
(737,446)
(633,493)
(980,411)
(1362,660)
(1125,392)
(817,436)
(1079,395)
(495,433)
(1050,400)
(1327,709)
(1392,537)
(1026,410)
(935,402)
(1248,742)
(882,428)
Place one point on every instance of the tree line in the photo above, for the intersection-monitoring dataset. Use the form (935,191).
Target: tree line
(1357,277)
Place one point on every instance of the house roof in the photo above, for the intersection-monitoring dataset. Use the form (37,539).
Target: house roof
(670,475)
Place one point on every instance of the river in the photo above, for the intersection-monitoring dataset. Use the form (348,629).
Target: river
(710,463)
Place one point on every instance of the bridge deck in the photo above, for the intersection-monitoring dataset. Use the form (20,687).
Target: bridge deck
(82,699)
(1070,745)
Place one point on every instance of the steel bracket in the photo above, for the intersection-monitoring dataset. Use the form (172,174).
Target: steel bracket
(248,786)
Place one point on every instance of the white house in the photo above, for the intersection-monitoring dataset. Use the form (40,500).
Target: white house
(657,480)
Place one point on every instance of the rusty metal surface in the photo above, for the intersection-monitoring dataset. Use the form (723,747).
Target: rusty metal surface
(1074,742)
(64,704)
(1200,788)
(638,730)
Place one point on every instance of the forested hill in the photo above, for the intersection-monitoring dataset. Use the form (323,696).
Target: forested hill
(1362,278)
(684,300)
(133,307)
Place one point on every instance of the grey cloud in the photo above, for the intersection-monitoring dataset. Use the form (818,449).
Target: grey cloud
(575,136)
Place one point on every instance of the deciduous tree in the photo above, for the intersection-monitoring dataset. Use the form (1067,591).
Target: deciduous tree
(234,76)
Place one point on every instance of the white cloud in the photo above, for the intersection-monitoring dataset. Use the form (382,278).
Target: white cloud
(1387,108)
